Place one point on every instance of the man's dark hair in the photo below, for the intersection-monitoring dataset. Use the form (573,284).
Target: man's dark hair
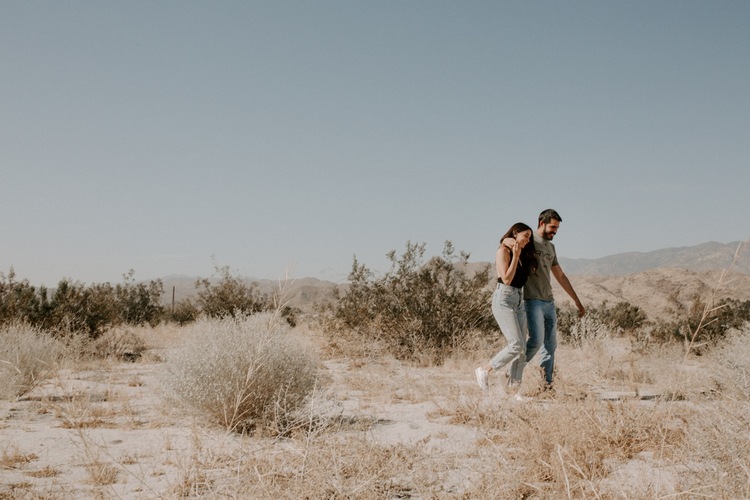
(547,215)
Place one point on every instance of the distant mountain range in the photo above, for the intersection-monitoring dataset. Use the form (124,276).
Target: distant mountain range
(663,282)
(704,257)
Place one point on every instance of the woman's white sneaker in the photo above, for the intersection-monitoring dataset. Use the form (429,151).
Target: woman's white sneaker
(482,374)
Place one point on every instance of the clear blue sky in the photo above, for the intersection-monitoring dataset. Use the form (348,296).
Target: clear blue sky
(167,136)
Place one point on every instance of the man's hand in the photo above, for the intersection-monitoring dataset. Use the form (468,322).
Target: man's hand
(565,284)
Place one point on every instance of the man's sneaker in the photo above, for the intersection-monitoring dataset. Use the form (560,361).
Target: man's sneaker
(481,374)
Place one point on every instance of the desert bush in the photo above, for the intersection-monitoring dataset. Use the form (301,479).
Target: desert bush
(183,312)
(139,303)
(416,307)
(231,296)
(703,325)
(28,355)
(566,318)
(658,332)
(588,329)
(711,321)
(730,362)
(577,330)
(703,322)
(76,307)
(118,343)
(19,301)
(623,317)
(243,371)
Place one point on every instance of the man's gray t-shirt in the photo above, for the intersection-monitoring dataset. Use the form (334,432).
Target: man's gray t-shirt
(539,286)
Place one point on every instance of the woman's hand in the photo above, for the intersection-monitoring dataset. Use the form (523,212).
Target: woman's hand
(509,242)
(514,245)
(517,247)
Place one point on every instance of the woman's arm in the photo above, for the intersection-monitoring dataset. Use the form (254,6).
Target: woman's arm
(506,264)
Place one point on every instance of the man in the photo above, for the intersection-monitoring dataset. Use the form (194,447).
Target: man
(540,304)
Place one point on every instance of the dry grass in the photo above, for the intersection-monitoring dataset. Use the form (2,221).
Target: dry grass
(14,457)
(45,472)
(102,473)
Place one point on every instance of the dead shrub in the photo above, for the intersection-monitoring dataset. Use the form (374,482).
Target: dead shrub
(242,372)
(28,356)
(730,362)
(118,343)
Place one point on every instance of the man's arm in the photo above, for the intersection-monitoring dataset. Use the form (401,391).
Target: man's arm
(565,284)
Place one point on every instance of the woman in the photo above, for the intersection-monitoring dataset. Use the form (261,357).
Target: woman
(513,263)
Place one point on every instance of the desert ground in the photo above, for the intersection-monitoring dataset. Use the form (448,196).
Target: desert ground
(622,422)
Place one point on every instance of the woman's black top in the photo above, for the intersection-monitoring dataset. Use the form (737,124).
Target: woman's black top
(519,279)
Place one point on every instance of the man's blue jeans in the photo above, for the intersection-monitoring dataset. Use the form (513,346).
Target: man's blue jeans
(542,324)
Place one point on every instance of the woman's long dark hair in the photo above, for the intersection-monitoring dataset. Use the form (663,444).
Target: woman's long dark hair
(528,254)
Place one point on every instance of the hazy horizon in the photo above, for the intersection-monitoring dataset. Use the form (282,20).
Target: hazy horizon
(565,262)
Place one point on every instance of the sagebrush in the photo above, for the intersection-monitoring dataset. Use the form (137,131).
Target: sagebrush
(417,308)
(242,372)
(28,355)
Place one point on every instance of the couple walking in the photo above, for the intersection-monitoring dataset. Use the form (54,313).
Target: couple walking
(523,298)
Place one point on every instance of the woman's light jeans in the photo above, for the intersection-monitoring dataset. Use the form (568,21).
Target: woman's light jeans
(510,314)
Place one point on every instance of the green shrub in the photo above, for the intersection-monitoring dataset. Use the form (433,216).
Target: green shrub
(28,356)
(242,372)
(702,323)
(707,322)
(19,301)
(416,307)
(75,307)
(183,312)
(624,316)
(139,303)
(78,308)
(230,296)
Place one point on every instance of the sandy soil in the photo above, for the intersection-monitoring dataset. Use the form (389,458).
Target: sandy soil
(106,431)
